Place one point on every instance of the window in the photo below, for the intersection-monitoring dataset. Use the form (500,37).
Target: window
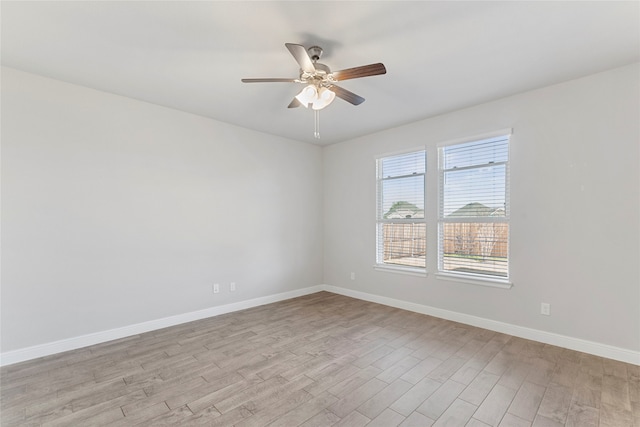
(401,228)
(473,218)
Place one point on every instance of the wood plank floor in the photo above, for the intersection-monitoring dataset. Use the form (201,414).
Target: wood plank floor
(321,360)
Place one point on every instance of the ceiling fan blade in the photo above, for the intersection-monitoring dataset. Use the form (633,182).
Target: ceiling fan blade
(269,80)
(357,72)
(294,103)
(346,95)
(301,56)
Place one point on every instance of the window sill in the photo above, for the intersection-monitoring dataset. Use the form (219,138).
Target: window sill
(421,272)
(493,283)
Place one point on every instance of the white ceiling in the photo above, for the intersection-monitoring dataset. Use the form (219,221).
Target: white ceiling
(440,56)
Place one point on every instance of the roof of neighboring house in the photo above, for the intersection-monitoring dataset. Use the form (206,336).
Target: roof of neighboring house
(404,210)
(476,209)
(405,213)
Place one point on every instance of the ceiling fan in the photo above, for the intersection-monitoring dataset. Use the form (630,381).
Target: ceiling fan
(320,82)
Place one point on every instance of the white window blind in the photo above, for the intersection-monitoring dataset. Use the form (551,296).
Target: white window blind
(473,223)
(401,228)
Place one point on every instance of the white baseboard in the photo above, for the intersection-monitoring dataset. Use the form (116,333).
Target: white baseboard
(21,355)
(597,349)
(47,349)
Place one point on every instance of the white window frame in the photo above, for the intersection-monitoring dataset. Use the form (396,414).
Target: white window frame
(380,221)
(467,277)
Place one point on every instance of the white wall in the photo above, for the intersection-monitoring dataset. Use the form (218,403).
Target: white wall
(116,212)
(574,205)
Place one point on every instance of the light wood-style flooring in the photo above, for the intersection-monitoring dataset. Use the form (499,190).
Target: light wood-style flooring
(321,360)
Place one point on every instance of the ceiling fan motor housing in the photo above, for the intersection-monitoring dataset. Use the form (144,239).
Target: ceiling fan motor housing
(322,67)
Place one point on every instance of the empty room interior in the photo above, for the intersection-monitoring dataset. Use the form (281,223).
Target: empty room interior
(320,213)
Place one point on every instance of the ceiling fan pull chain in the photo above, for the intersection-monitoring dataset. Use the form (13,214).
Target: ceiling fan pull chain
(316,131)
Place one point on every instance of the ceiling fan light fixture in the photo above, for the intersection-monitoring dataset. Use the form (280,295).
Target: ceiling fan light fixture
(308,95)
(316,97)
(325,97)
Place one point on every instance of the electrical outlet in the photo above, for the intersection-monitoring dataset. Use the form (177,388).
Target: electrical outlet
(353,276)
(545,308)
(216,288)
(232,287)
